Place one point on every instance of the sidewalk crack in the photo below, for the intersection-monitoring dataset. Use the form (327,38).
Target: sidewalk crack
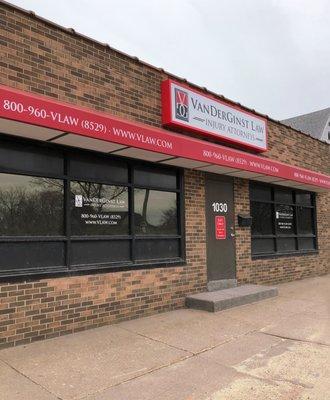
(275,380)
(30,379)
(295,339)
(157,340)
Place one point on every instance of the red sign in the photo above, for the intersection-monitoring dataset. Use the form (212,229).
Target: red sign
(192,110)
(42,111)
(220,227)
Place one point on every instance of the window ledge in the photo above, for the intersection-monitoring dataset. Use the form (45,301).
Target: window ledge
(281,255)
(60,272)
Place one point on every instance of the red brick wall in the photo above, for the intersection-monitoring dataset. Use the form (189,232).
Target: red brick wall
(41,58)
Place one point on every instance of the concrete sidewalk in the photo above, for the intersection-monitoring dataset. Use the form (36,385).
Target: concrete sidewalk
(275,349)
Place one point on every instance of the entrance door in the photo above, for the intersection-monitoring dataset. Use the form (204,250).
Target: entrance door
(220,241)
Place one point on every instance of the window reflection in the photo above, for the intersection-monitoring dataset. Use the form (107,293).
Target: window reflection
(155,212)
(30,206)
(98,209)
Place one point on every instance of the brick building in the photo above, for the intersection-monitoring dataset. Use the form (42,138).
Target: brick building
(124,188)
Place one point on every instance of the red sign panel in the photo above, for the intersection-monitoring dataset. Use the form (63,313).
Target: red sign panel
(42,111)
(220,227)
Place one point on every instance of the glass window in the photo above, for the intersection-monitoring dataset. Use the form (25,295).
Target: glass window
(306,243)
(31,159)
(305,220)
(261,246)
(92,167)
(100,252)
(262,218)
(31,206)
(155,249)
(155,212)
(304,199)
(31,255)
(293,213)
(283,196)
(261,192)
(286,244)
(68,210)
(98,209)
(155,177)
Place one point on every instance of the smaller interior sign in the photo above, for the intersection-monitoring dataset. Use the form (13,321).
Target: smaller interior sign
(285,218)
(98,209)
(187,108)
(220,227)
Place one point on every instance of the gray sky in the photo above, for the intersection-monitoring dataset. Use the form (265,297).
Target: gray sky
(270,55)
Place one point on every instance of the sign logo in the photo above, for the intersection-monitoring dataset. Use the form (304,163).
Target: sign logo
(181,105)
(78,200)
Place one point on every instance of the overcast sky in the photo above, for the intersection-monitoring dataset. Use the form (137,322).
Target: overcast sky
(270,55)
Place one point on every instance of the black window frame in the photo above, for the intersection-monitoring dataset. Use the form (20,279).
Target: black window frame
(275,235)
(67,238)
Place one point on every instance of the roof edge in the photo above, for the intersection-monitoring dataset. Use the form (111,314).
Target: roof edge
(307,114)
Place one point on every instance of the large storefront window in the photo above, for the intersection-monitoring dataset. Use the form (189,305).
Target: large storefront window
(66,210)
(283,220)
